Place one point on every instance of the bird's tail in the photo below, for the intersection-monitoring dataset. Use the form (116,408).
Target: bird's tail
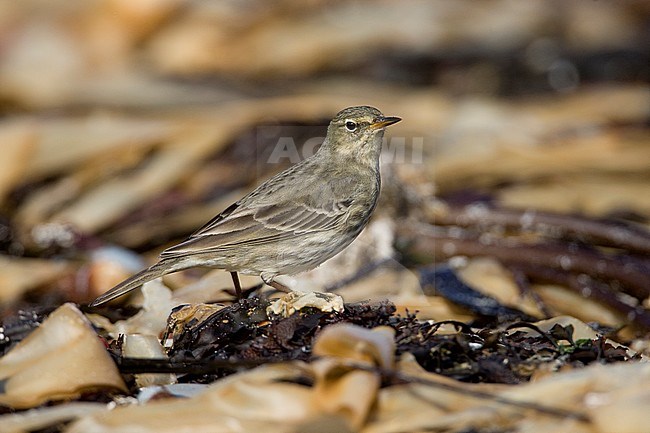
(158,270)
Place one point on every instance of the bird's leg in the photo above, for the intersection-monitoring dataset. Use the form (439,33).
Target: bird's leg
(235,281)
(277,286)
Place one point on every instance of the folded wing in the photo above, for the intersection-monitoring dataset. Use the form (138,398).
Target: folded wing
(246,226)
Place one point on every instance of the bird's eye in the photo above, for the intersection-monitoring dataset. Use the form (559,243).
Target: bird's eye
(351,125)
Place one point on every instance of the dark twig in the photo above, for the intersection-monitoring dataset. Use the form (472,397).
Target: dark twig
(138,365)
(588,287)
(542,409)
(444,281)
(426,240)
(563,264)
(600,232)
(523,283)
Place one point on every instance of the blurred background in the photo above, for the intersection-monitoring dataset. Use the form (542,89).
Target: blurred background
(128,124)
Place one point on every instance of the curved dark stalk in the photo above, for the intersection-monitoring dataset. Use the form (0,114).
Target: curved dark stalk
(588,287)
(597,231)
(425,240)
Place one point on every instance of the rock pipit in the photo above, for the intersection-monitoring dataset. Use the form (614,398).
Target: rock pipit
(294,221)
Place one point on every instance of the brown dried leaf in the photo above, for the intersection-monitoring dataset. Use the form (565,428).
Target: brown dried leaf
(354,343)
(18,140)
(60,359)
(340,389)
(18,275)
(257,400)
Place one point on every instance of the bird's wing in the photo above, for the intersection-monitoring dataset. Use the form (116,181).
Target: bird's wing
(214,221)
(242,225)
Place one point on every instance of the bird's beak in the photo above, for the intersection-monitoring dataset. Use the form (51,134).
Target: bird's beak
(383,122)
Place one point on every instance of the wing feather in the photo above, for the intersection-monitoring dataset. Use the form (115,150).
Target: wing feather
(246,226)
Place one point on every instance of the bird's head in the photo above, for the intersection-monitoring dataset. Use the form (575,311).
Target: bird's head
(358,132)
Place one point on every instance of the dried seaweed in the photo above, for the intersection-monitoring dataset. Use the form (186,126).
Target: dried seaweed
(443,281)
(594,231)
(589,270)
(243,336)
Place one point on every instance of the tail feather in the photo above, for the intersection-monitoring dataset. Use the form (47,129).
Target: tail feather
(158,270)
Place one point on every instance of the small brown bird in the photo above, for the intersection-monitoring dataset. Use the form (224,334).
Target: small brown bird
(294,221)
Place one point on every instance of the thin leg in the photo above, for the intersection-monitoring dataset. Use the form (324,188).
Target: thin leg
(279,287)
(268,279)
(235,281)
